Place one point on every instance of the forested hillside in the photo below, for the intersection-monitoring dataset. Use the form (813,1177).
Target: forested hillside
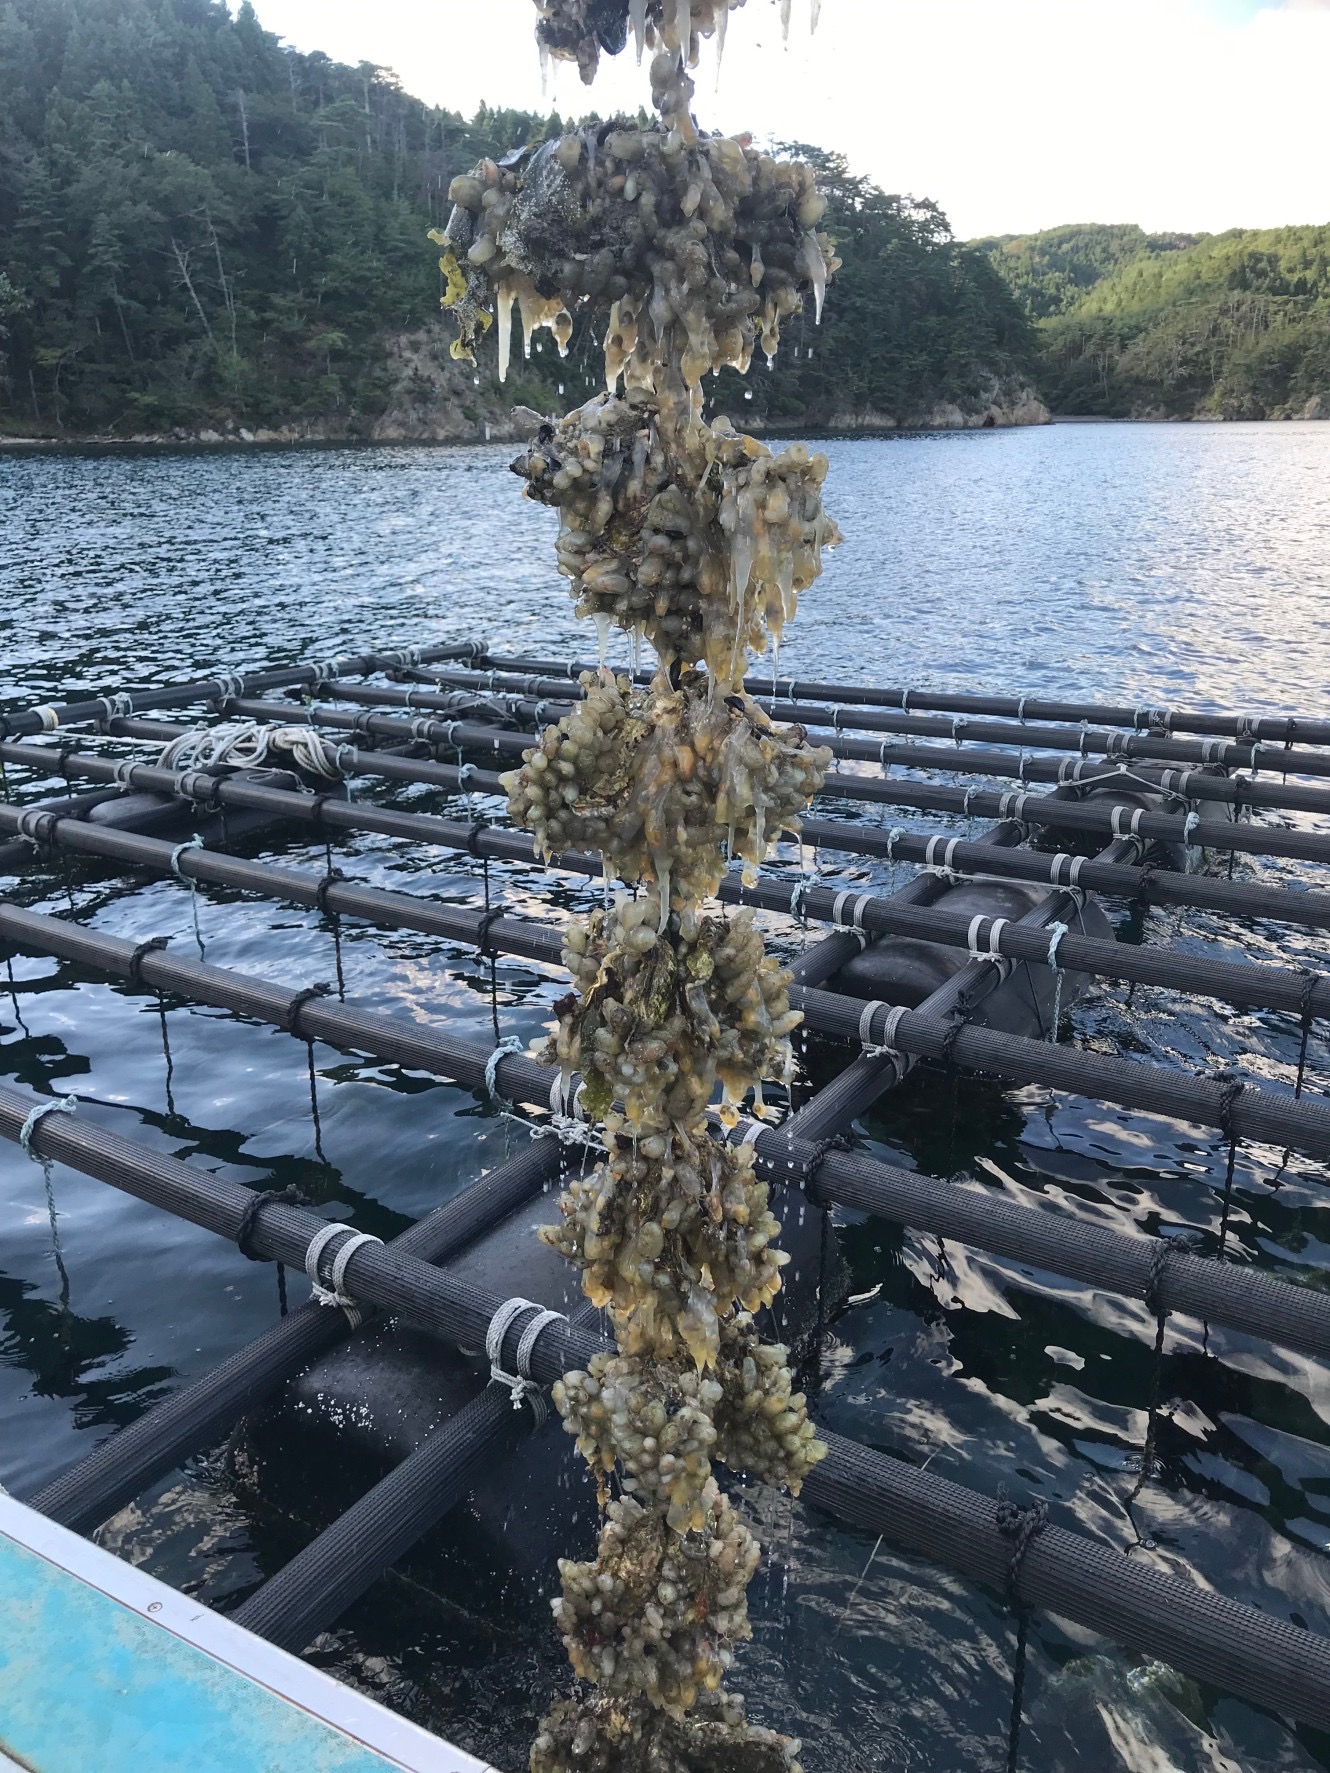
(1233,325)
(202,228)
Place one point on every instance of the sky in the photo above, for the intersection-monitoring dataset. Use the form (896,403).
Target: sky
(1014,115)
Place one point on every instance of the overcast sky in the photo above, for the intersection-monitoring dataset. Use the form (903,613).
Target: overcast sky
(1013,114)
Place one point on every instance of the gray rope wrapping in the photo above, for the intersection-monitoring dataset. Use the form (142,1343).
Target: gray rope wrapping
(334,1294)
(522,1388)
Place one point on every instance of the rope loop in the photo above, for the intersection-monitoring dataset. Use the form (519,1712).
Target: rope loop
(48,716)
(325,886)
(521,1387)
(116,707)
(799,897)
(334,1294)
(191,843)
(993,951)
(509,1044)
(856,926)
(1022,1526)
(473,837)
(134,967)
(297,1004)
(290,1196)
(56,1105)
(36,825)
(885,1047)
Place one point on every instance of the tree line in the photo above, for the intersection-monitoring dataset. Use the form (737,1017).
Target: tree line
(199,225)
(1232,325)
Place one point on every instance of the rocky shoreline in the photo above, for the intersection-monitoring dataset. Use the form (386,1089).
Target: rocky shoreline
(433,399)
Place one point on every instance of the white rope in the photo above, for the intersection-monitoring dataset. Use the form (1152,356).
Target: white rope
(992,952)
(509,1044)
(229,683)
(522,1388)
(334,1294)
(191,843)
(246,744)
(49,717)
(1134,826)
(117,707)
(56,1105)
(886,1047)
(799,897)
(1056,932)
(856,926)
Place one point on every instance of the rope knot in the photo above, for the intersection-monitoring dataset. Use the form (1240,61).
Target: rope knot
(1022,1525)
(522,1388)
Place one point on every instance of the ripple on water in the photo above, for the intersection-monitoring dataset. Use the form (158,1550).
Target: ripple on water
(1123,563)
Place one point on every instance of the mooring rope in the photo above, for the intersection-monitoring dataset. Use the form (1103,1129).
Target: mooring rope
(192,843)
(1022,1526)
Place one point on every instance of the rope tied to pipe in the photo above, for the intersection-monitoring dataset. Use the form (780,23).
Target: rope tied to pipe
(192,843)
(134,966)
(35,1116)
(116,707)
(1056,932)
(886,1047)
(334,1293)
(1232,1089)
(993,952)
(856,925)
(1022,1526)
(509,1044)
(1165,1248)
(331,878)
(295,1009)
(290,1196)
(521,1387)
(821,1149)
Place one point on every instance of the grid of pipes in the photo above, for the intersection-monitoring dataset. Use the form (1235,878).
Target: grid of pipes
(1133,789)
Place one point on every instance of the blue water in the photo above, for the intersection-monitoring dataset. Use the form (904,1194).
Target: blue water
(1184,564)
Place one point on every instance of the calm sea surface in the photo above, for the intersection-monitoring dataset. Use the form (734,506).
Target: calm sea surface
(1187,565)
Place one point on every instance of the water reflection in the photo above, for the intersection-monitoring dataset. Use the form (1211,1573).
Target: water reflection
(1130,563)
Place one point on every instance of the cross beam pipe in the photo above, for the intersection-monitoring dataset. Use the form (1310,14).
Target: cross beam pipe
(1244,1650)
(1277,728)
(1194,784)
(1243,1298)
(123,1466)
(47,717)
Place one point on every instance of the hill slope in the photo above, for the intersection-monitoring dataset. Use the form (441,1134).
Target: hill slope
(1233,325)
(202,228)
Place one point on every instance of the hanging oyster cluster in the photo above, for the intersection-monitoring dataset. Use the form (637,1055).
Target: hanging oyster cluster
(695,249)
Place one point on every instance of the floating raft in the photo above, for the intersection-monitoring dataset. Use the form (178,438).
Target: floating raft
(970,964)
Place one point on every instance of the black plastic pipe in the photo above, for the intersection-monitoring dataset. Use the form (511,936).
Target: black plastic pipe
(472,735)
(1258,1114)
(322,1581)
(125,1464)
(1239,1648)
(438,1301)
(1032,809)
(1276,728)
(1087,742)
(1239,1299)
(207,689)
